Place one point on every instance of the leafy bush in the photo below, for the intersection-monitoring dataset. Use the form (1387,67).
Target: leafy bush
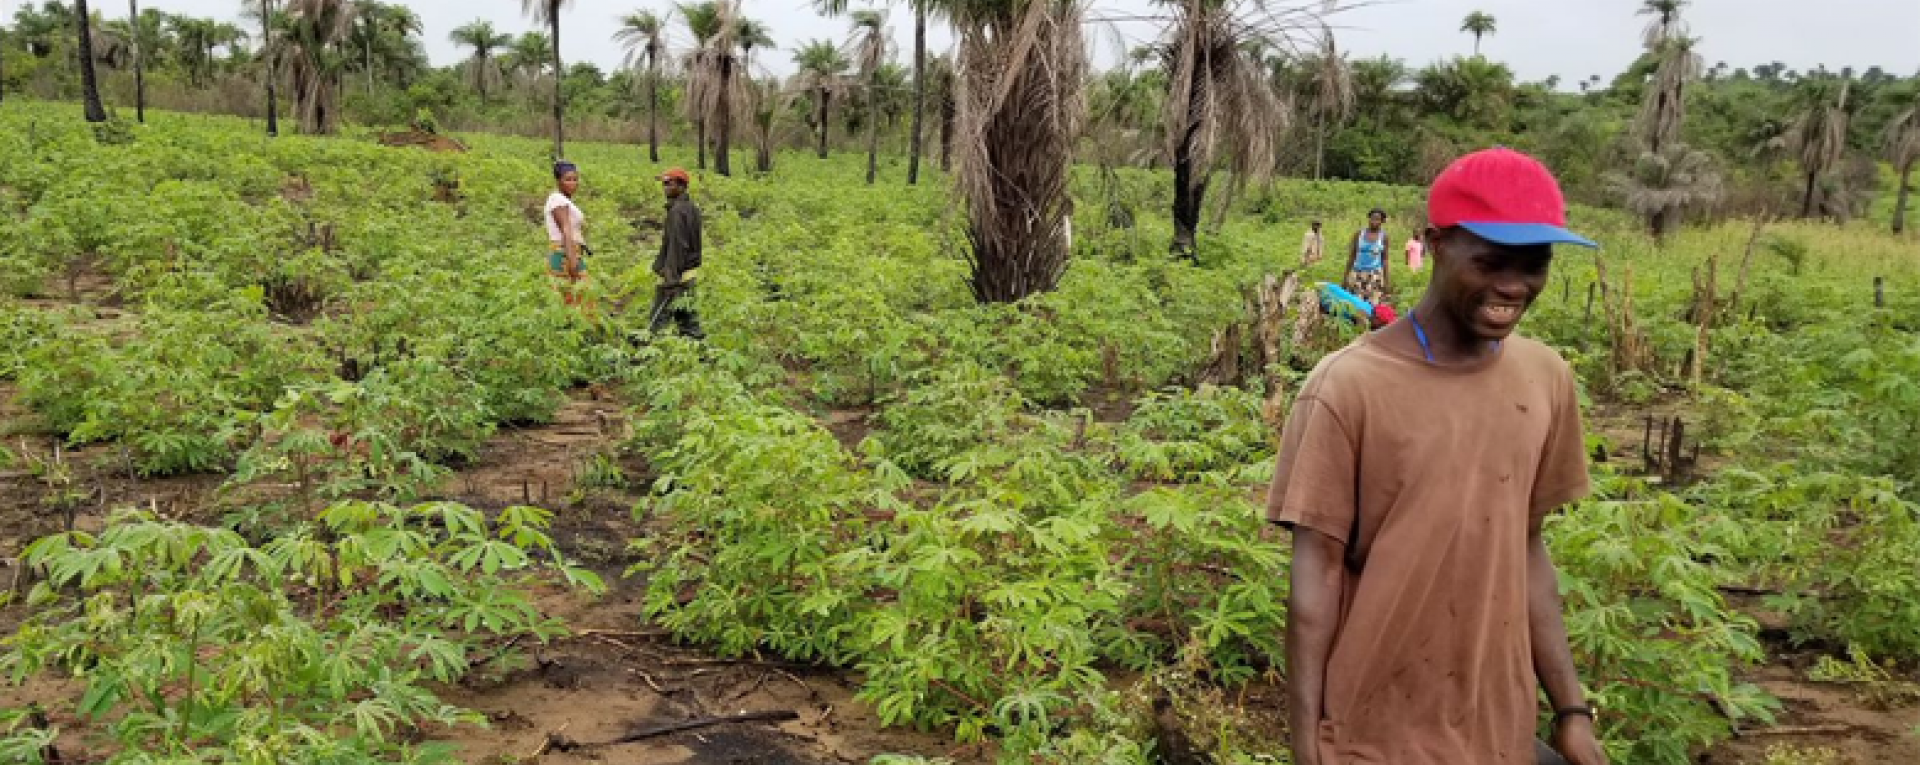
(313,647)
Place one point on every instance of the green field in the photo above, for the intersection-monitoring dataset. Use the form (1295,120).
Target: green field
(1022,525)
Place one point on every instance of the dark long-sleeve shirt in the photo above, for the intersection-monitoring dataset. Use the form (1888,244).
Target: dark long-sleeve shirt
(680,242)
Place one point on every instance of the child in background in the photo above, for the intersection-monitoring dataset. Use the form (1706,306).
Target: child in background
(1416,250)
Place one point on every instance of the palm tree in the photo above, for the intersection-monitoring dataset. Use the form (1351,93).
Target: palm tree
(270,58)
(1375,81)
(1471,91)
(766,104)
(485,42)
(1818,136)
(751,34)
(89,86)
(548,12)
(139,64)
(921,9)
(1666,182)
(713,89)
(315,31)
(870,52)
(1903,150)
(385,28)
(942,85)
(1663,107)
(822,67)
(1332,85)
(1023,71)
(1479,24)
(1666,20)
(643,34)
(529,58)
(1219,109)
(704,22)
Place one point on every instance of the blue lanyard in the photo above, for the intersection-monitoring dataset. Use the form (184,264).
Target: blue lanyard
(1420,333)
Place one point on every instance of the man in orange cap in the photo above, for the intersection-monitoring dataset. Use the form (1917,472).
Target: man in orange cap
(678,262)
(1416,470)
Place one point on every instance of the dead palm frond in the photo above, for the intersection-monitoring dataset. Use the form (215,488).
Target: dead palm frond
(1663,185)
(314,59)
(1665,24)
(1220,112)
(1818,136)
(1903,150)
(1664,106)
(1020,105)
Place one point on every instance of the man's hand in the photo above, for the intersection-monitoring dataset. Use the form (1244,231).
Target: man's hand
(1574,739)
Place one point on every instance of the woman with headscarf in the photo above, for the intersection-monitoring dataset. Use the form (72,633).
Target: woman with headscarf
(566,226)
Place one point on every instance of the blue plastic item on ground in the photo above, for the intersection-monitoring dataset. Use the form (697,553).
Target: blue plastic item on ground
(1336,300)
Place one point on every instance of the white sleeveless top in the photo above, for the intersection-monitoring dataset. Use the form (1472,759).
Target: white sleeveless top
(555,201)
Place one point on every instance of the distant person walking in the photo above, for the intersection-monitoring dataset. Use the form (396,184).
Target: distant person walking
(1313,246)
(678,263)
(566,227)
(1416,250)
(1367,274)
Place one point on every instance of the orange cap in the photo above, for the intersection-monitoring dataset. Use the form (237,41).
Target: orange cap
(675,174)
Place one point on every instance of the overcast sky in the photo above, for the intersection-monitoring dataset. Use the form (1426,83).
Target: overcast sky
(1570,38)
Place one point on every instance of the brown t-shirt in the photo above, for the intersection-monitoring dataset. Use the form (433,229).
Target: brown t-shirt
(1430,476)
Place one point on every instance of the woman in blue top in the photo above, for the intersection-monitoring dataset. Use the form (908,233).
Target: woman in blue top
(1367,260)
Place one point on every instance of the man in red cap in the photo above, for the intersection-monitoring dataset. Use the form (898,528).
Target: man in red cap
(1424,608)
(678,262)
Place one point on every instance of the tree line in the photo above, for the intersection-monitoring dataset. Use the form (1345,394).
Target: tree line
(1232,92)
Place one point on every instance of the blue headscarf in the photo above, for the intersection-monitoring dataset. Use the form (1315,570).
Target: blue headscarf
(563,167)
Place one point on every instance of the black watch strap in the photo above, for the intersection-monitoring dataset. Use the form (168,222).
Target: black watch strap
(1563,713)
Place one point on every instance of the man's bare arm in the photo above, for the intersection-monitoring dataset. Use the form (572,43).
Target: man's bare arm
(1573,735)
(1313,614)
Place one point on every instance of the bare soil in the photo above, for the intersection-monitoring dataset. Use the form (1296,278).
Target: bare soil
(430,141)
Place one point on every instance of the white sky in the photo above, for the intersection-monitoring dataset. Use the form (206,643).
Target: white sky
(1537,38)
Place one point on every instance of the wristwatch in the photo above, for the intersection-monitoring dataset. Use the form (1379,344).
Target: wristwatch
(1583,710)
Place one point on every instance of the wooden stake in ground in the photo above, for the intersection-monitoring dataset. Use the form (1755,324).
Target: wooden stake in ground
(1753,242)
(1703,308)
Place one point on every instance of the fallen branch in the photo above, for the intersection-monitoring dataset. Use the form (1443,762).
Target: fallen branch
(1803,730)
(561,743)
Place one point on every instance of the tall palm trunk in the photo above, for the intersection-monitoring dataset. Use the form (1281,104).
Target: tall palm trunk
(268,52)
(89,87)
(873,128)
(1900,198)
(1319,145)
(700,132)
(480,65)
(1806,200)
(559,128)
(826,104)
(919,89)
(946,133)
(1188,194)
(139,65)
(721,163)
(653,111)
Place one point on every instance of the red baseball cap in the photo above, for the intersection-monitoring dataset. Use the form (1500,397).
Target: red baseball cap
(1502,196)
(675,174)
